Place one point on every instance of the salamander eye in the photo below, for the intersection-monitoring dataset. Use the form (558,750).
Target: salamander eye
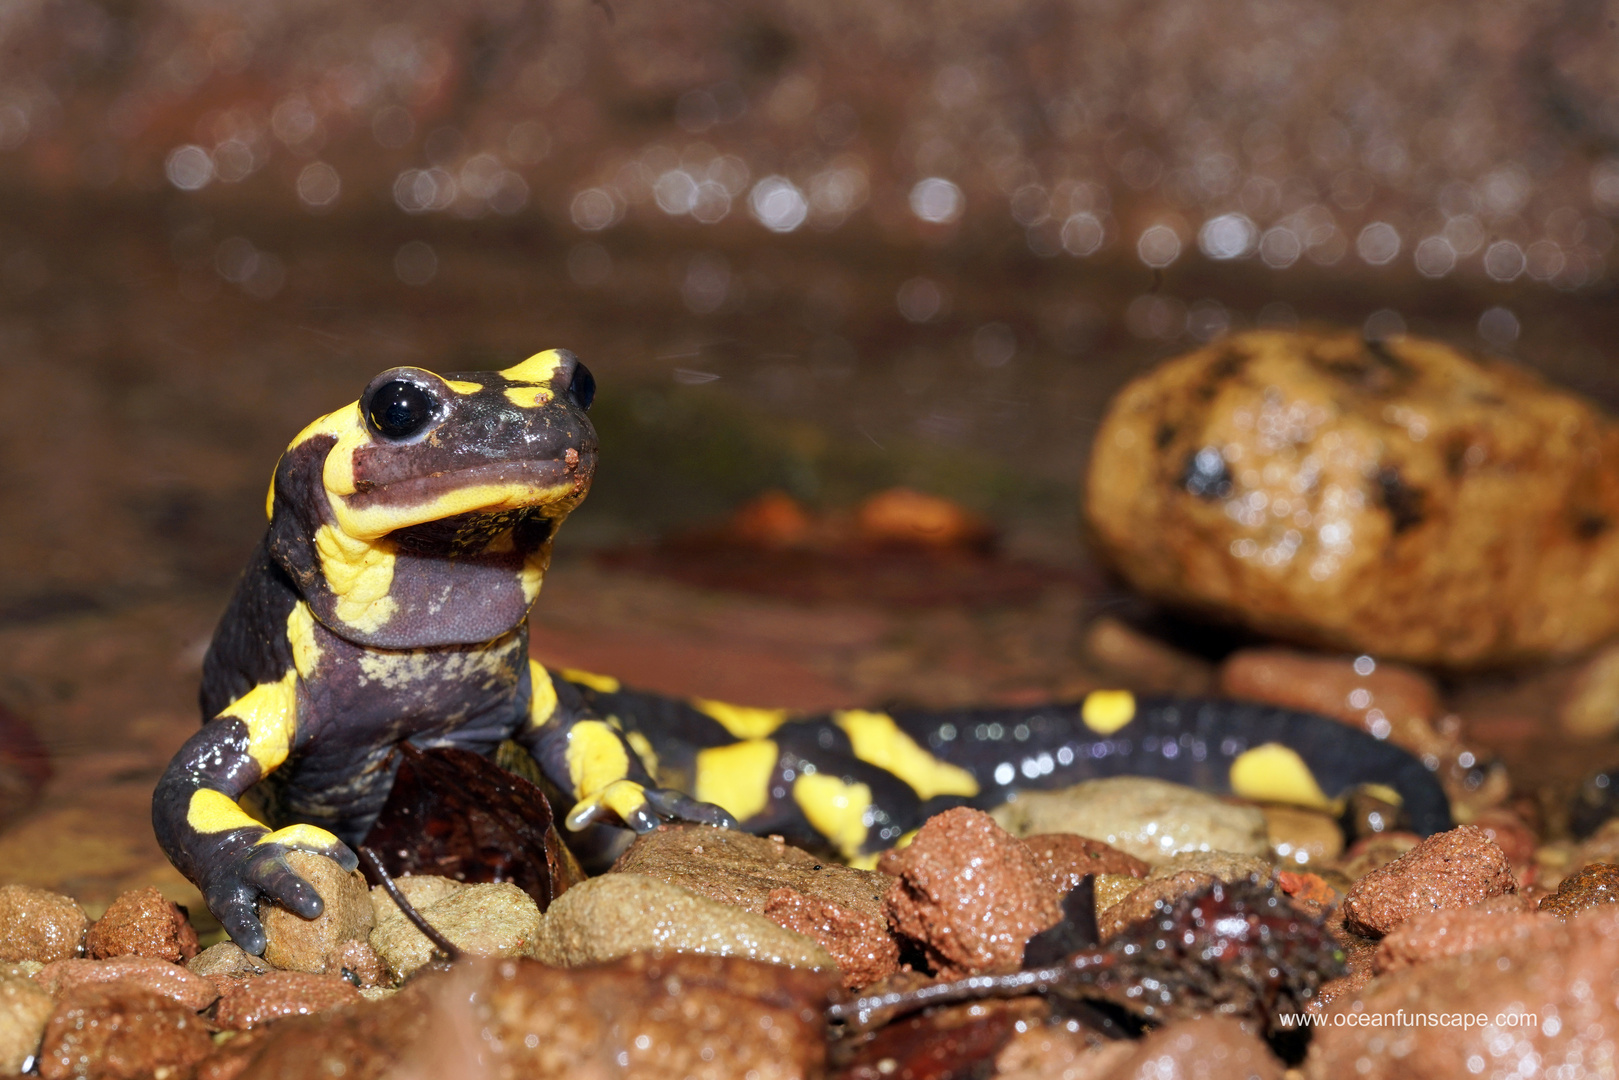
(399,409)
(582,387)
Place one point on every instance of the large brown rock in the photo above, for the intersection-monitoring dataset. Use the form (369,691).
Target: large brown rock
(669,1017)
(1454,869)
(1540,1001)
(1398,498)
(293,943)
(36,924)
(118,1031)
(143,922)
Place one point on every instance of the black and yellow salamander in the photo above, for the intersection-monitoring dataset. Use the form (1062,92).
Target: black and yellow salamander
(388,603)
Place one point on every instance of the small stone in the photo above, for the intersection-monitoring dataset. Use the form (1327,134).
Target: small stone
(1309,888)
(862,947)
(293,943)
(24,1008)
(1590,707)
(359,959)
(158,976)
(280,994)
(1453,869)
(226,958)
(1227,866)
(1510,833)
(1147,899)
(1145,663)
(1205,1048)
(969,893)
(1067,858)
(1051,1052)
(481,920)
(36,924)
(422,890)
(1383,701)
(1450,932)
(1300,837)
(1150,819)
(841,907)
(118,1031)
(617,914)
(1372,852)
(143,922)
(1593,886)
(1111,889)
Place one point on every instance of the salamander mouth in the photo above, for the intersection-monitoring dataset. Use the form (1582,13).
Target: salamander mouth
(495,490)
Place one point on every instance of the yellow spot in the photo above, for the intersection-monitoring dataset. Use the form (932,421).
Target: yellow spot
(538,368)
(602,684)
(1383,792)
(643,750)
(213,811)
(270,713)
(359,573)
(303,838)
(269,496)
(301,636)
(836,810)
(737,777)
(879,741)
(532,575)
(461,386)
(743,721)
(905,841)
(1106,711)
(542,704)
(1276,773)
(596,757)
(866,862)
(622,797)
(528,397)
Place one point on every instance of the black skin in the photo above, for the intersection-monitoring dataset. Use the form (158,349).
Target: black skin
(433,674)
(449,666)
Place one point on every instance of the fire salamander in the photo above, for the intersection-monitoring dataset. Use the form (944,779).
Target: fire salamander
(409,533)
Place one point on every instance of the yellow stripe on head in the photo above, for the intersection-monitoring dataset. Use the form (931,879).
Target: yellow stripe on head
(878,741)
(837,810)
(1106,711)
(211,811)
(542,702)
(602,684)
(269,711)
(539,368)
(528,397)
(462,386)
(1276,773)
(737,777)
(743,721)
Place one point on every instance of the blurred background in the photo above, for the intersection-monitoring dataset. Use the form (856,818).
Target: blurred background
(812,248)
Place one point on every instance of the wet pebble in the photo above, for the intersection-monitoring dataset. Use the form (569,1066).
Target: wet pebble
(158,976)
(1372,852)
(839,906)
(1300,837)
(313,945)
(1148,899)
(1453,869)
(1592,886)
(1068,858)
(1150,819)
(24,1008)
(1203,1048)
(1449,932)
(1225,866)
(969,893)
(616,914)
(119,1031)
(280,994)
(36,924)
(143,922)
(481,920)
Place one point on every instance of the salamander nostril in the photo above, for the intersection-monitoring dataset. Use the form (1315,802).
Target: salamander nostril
(399,409)
(582,387)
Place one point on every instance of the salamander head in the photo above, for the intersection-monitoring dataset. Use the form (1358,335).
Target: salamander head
(422,514)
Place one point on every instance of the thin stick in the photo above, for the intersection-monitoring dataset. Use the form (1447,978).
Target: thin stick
(442,943)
